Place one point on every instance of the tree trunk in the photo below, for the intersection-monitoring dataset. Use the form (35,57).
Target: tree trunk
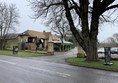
(88,37)
(62,44)
(91,50)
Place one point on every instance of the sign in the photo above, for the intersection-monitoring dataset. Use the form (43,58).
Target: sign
(107,52)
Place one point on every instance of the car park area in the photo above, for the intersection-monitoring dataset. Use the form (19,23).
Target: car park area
(114,50)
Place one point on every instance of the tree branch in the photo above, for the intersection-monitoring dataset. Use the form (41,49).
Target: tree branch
(71,23)
(104,4)
(76,7)
(111,7)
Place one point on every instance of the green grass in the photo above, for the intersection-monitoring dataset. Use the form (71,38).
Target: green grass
(98,64)
(21,53)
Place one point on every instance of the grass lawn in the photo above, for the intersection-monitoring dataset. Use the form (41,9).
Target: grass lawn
(21,53)
(98,64)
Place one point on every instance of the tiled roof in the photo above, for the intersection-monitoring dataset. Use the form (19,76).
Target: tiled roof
(34,34)
(43,35)
(47,34)
(55,37)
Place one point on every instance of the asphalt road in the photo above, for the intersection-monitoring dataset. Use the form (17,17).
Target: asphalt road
(58,57)
(22,70)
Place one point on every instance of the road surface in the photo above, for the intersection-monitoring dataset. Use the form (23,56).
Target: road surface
(22,70)
(58,57)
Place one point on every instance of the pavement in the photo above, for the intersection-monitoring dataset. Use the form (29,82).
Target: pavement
(23,70)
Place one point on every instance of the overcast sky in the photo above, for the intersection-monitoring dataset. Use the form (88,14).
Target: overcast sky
(25,13)
(27,23)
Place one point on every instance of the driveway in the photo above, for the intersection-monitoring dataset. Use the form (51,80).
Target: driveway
(58,57)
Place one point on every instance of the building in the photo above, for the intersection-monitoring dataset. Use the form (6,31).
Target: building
(12,40)
(32,40)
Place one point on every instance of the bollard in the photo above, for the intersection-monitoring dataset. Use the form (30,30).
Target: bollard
(15,49)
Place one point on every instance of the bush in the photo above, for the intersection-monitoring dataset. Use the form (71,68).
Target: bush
(40,49)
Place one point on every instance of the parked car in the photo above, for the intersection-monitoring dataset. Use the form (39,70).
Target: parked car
(100,50)
(114,50)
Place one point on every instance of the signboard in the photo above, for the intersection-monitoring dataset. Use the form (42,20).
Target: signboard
(107,52)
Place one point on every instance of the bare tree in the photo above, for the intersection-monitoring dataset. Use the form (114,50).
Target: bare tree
(8,21)
(88,13)
(60,26)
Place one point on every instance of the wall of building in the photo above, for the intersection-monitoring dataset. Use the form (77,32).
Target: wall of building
(12,42)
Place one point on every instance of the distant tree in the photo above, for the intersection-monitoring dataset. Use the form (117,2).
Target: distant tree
(115,37)
(87,13)
(110,40)
(8,20)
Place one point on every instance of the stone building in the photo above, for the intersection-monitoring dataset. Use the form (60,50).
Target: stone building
(32,40)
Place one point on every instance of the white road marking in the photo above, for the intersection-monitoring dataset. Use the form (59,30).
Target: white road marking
(44,59)
(36,68)
(44,70)
(63,74)
(7,62)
